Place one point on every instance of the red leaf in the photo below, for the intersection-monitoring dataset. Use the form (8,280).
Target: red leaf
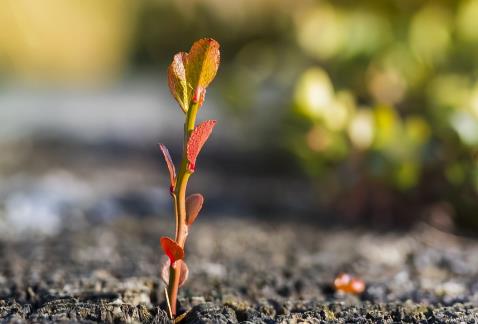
(196,141)
(170,164)
(183,276)
(172,249)
(193,207)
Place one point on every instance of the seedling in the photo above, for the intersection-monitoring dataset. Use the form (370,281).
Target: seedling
(188,77)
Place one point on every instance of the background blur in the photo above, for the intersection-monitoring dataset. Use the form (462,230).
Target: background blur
(328,111)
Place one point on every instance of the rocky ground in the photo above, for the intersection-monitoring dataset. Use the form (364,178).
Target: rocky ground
(241,270)
(79,242)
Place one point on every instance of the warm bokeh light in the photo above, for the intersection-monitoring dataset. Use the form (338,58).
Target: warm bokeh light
(386,91)
(314,93)
(340,183)
(74,40)
(430,33)
(321,31)
(467,24)
(361,129)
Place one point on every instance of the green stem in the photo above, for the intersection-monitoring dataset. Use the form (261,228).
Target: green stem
(179,200)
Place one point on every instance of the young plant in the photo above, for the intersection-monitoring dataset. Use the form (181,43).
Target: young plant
(188,77)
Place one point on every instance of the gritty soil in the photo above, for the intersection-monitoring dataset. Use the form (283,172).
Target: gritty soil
(79,242)
(240,271)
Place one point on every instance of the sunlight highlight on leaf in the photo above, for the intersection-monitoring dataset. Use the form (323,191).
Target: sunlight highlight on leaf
(202,62)
(177,80)
(190,73)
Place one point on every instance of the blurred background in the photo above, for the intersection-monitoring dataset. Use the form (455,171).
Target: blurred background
(339,112)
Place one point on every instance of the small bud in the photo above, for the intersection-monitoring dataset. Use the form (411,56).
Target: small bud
(198,96)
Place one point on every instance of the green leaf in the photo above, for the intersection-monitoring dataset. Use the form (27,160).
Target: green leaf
(190,73)
(177,80)
(202,63)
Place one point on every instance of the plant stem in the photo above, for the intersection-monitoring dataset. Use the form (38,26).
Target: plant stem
(179,201)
